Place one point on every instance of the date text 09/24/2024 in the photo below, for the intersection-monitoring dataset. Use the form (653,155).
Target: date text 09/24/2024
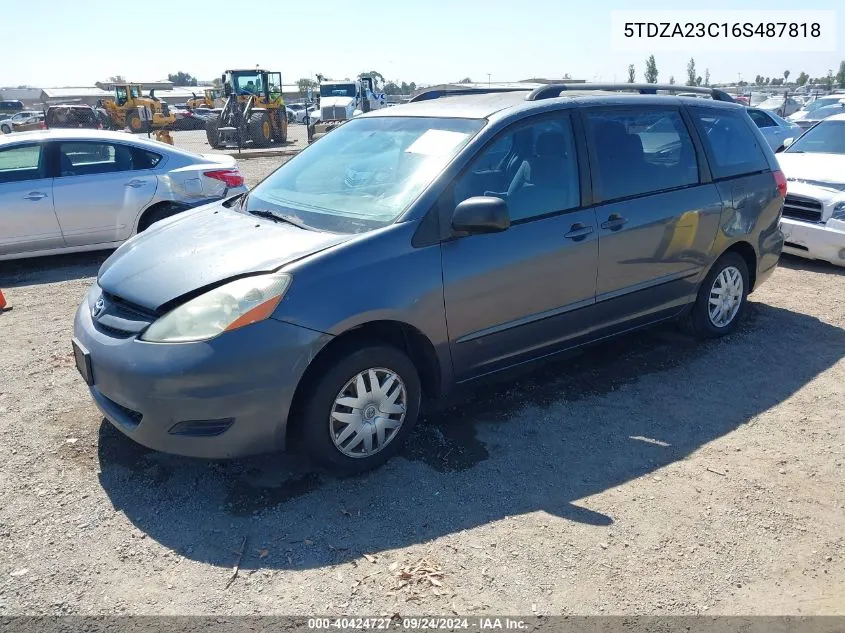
(418,623)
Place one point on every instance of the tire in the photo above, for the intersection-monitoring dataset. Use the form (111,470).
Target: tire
(5,129)
(151,216)
(133,122)
(212,132)
(259,129)
(321,415)
(699,322)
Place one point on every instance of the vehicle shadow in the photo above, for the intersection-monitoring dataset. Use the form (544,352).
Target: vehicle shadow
(540,442)
(793,262)
(52,269)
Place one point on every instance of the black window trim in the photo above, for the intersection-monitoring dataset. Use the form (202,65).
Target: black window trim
(712,160)
(445,204)
(704,175)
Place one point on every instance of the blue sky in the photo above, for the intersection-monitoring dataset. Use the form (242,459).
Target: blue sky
(428,42)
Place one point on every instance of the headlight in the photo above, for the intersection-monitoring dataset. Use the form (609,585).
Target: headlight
(839,211)
(223,309)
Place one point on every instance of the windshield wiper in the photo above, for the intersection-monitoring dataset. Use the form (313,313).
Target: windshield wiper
(280,217)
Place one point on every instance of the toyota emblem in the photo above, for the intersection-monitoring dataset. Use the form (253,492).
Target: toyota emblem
(98,308)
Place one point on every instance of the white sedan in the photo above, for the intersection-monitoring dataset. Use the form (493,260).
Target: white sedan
(70,190)
(813,220)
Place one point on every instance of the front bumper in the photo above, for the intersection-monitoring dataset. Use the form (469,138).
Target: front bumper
(815,241)
(223,398)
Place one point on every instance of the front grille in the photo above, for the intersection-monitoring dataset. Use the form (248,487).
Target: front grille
(121,317)
(333,113)
(131,418)
(801,208)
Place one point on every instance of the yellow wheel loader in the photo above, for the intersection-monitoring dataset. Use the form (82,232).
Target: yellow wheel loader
(123,110)
(254,111)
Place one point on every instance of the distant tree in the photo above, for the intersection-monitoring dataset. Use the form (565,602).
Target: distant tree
(691,72)
(117,79)
(802,78)
(182,79)
(390,88)
(632,73)
(840,76)
(304,84)
(766,81)
(786,74)
(698,80)
(672,80)
(404,88)
(706,76)
(758,79)
(651,70)
(465,80)
(217,83)
(412,86)
(376,74)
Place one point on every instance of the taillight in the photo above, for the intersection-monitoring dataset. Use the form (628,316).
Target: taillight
(780,180)
(232,177)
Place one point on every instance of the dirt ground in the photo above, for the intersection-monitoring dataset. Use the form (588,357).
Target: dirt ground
(649,475)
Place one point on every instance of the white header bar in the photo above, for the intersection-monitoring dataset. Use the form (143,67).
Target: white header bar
(771,30)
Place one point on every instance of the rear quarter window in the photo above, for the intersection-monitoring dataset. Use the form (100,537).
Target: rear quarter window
(733,149)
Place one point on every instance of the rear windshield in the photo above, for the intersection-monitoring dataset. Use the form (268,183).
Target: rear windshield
(828,137)
(364,174)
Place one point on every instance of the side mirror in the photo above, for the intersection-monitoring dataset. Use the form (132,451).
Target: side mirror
(227,90)
(787,142)
(481,214)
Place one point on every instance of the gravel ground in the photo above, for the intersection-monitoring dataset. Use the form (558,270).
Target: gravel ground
(651,475)
(195,141)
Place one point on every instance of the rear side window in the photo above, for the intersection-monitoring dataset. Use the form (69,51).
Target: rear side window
(24,162)
(90,158)
(761,119)
(732,147)
(638,152)
(143,159)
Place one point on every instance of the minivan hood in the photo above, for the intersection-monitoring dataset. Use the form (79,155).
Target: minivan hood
(203,247)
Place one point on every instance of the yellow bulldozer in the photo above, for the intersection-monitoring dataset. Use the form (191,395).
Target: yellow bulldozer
(211,98)
(123,110)
(254,111)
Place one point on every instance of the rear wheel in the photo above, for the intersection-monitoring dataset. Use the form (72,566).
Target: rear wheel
(362,409)
(721,300)
(260,130)
(151,216)
(212,132)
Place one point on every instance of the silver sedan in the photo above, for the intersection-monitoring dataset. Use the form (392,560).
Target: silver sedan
(64,191)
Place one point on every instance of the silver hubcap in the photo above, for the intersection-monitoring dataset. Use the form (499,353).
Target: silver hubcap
(368,412)
(725,296)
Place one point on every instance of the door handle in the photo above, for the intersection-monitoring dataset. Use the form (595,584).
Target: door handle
(35,195)
(135,183)
(578,231)
(614,222)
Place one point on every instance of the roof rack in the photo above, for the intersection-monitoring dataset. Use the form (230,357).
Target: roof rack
(552,91)
(437,93)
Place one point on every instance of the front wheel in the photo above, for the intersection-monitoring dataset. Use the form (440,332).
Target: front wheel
(5,129)
(721,300)
(360,412)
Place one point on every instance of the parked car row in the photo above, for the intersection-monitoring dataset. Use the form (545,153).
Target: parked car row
(217,329)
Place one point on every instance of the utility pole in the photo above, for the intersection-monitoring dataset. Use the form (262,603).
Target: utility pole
(488,80)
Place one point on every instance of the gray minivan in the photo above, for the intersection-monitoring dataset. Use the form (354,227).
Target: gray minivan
(421,247)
